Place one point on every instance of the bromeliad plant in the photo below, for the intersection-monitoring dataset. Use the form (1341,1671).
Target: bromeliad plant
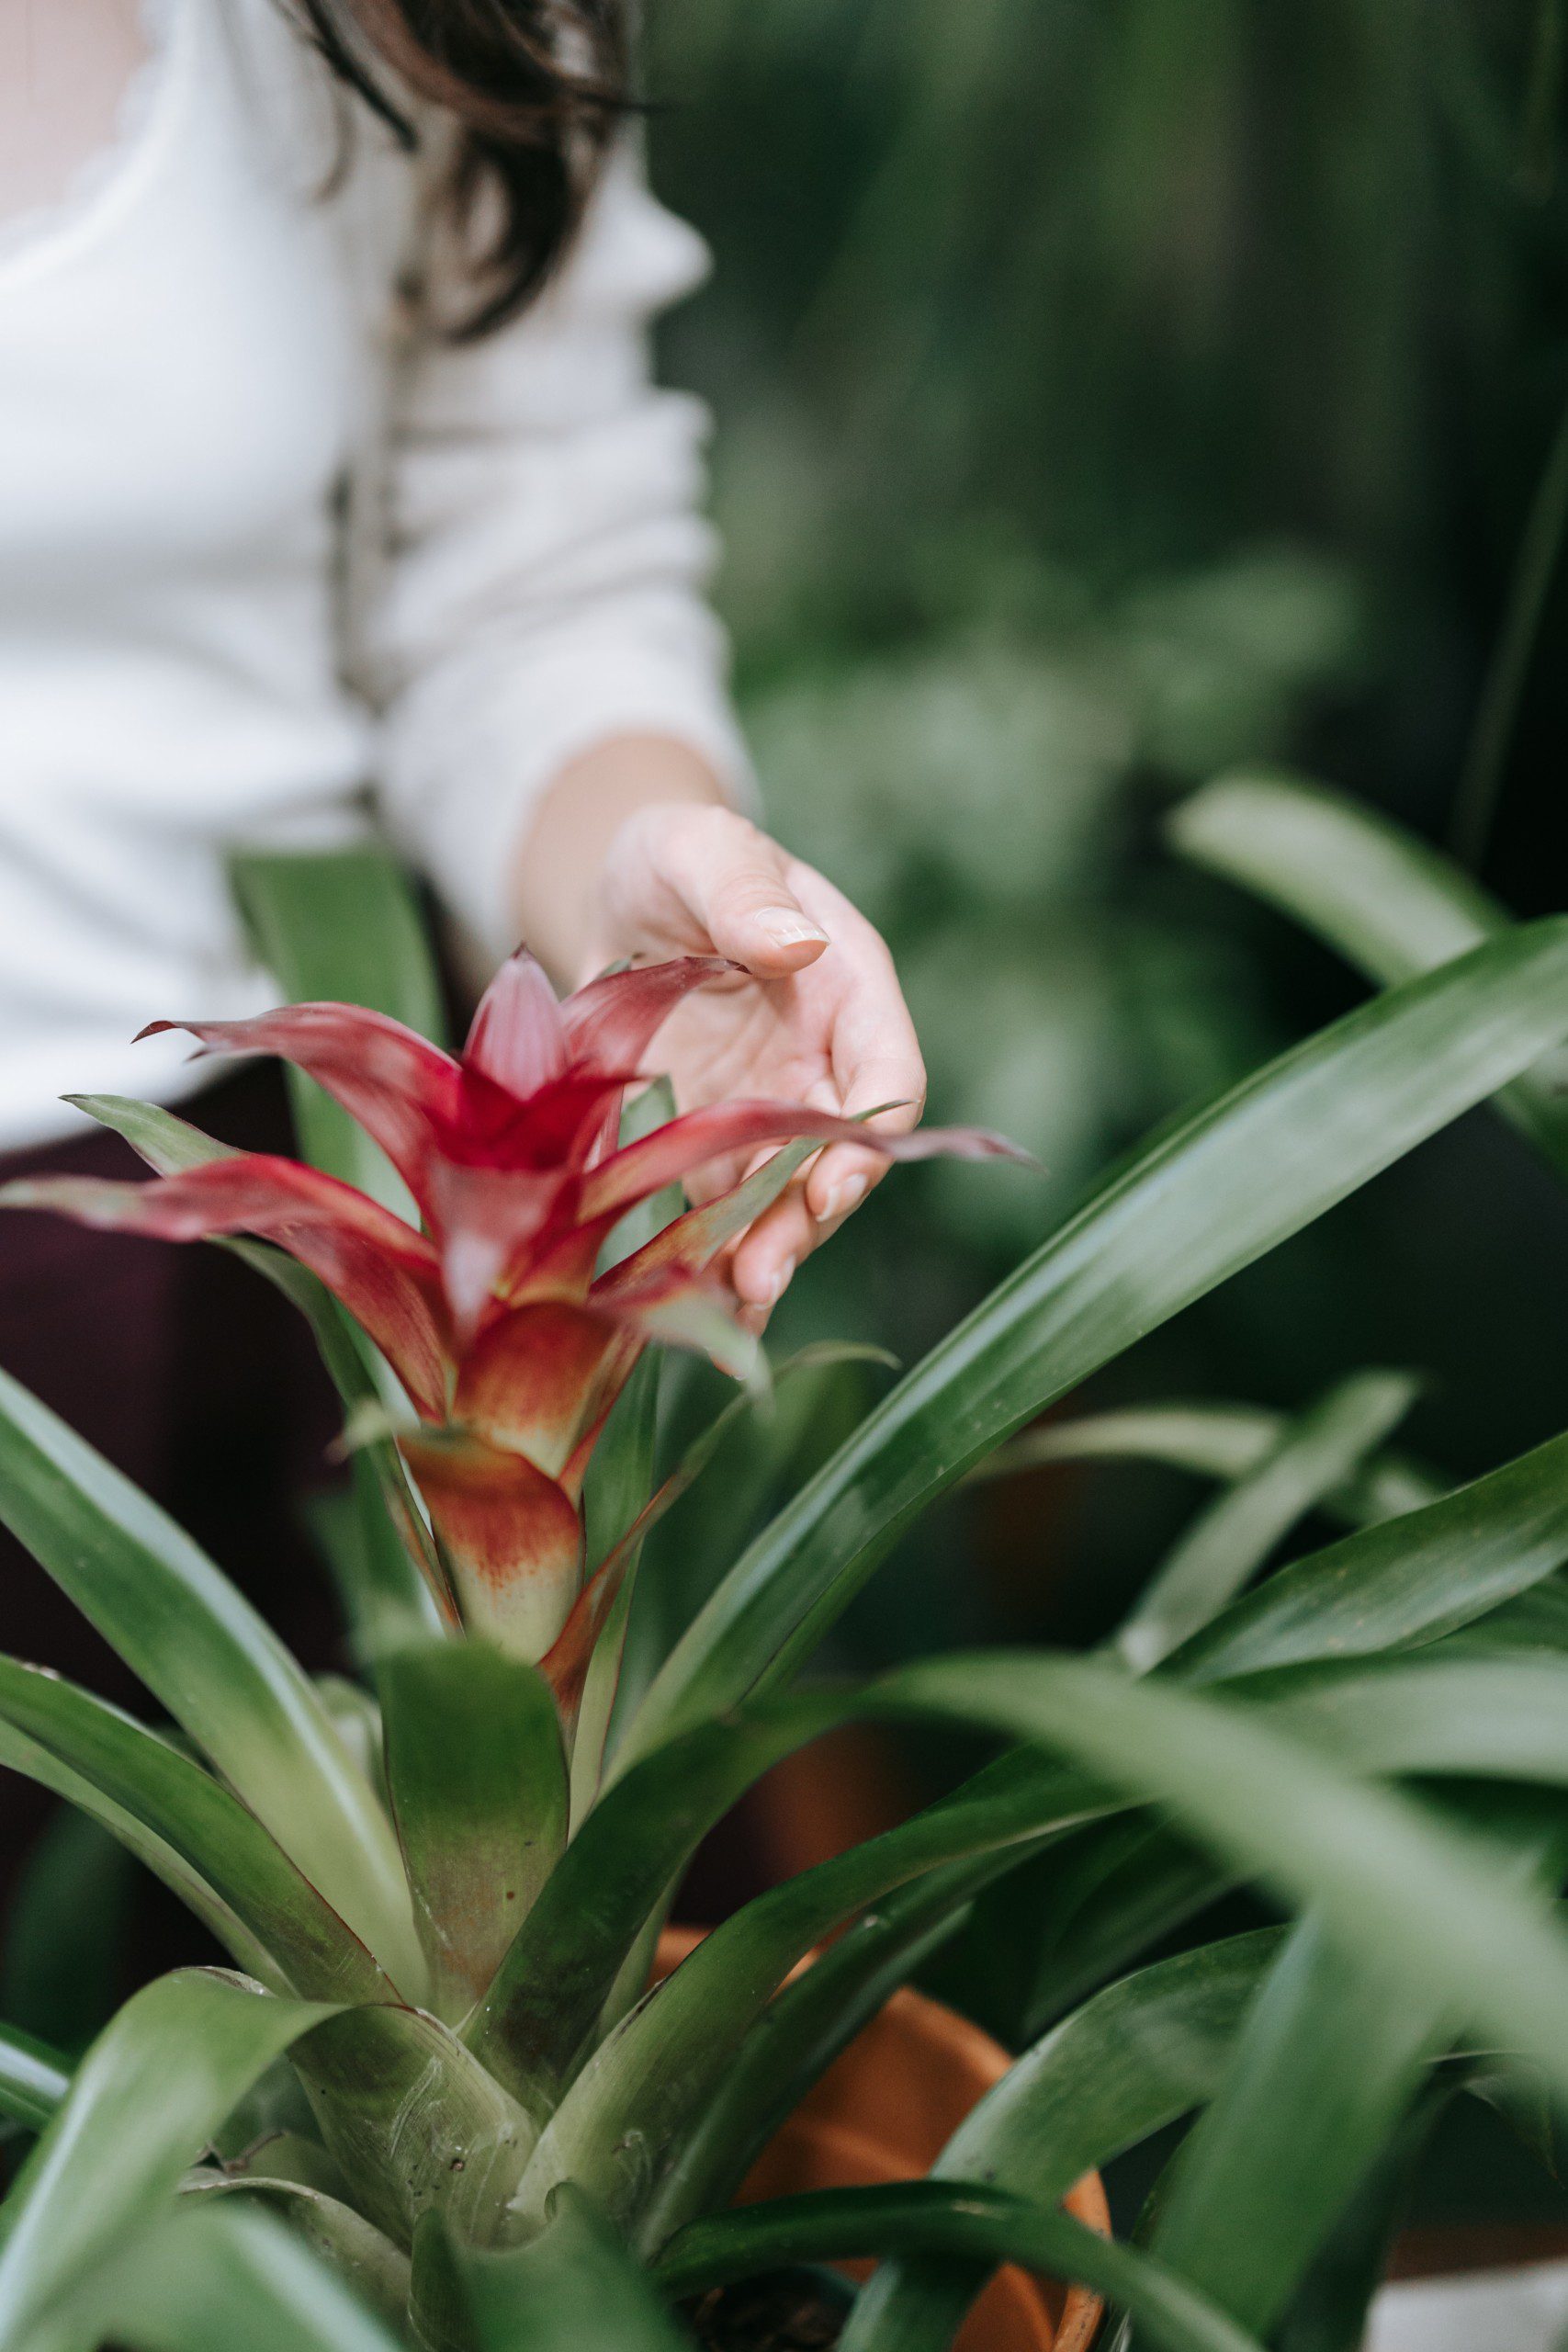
(436,2053)
(510,1341)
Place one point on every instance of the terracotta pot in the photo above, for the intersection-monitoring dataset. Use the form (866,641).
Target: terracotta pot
(883,2112)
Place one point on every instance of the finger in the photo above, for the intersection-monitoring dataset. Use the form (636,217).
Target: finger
(769,1252)
(877,1060)
(733,884)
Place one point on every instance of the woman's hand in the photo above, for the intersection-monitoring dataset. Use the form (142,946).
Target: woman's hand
(815,1014)
(633,853)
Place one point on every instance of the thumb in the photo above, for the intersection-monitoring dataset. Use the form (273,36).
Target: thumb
(736,886)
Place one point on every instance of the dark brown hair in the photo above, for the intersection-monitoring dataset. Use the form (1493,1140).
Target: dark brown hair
(533,89)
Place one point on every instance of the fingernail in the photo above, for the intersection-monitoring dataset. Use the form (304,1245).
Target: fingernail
(847,1195)
(786,928)
(778,1283)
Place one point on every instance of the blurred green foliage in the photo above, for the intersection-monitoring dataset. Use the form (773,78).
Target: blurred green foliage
(1109,391)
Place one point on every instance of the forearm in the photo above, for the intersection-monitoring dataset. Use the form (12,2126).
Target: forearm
(555,883)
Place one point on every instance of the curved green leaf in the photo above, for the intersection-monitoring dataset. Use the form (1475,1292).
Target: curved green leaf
(207,2278)
(356,2249)
(1205,1200)
(622,1472)
(33,2078)
(1396,1887)
(477,1780)
(1226,1442)
(1230,1542)
(946,2219)
(1404,1582)
(145,2100)
(1132,2060)
(210,1658)
(1092,1903)
(574,2288)
(36,1763)
(412,2121)
(1390,903)
(541,2010)
(190,1812)
(1338,2048)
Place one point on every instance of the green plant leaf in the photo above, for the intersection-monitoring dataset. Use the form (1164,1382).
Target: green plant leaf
(1090,1904)
(1205,1200)
(809,2020)
(946,2219)
(143,2103)
(1226,1442)
(620,1485)
(1329,2313)
(36,1763)
(1231,1541)
(574,2288)
(209,2277)
(1405,1581)
(34,2078)
(1134,2059)
(1338,2048)
(185,1632)
(412,2121)
(189,1811)
(356,2250)
(542,2010)
(1397,1888)
(1390,903)
(477,1780)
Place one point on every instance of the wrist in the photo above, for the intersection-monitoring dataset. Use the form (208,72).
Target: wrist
(558,890)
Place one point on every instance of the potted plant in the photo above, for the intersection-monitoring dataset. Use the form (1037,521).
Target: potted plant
(437,2050)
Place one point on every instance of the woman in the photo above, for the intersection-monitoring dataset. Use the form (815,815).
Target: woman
(332,487)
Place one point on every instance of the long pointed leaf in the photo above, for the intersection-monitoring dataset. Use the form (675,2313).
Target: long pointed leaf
(37,1764)
(1405,1581)
(188,1810)
(478,1781)
(145,2100)
(205,1653)
(1131,2061)
(1397,1888)
(33,2078)
(951,2220)
(242,2281)
(1225,1441)
(1390,903)
(1234,1180)
(1337,2047)
(1231,1541)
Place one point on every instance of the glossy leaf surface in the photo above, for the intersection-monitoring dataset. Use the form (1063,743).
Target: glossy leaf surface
(944,2218)
(205,1653)
(1204,1201)
(1226,1547)
(478,1782)
(145,2102)
(1392,905)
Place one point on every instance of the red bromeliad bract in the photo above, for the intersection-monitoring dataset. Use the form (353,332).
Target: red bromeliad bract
(510,1346)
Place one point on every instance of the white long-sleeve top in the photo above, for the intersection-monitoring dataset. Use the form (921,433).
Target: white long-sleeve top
(269,557)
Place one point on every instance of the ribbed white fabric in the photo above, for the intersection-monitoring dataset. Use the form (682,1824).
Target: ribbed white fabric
(267,557)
